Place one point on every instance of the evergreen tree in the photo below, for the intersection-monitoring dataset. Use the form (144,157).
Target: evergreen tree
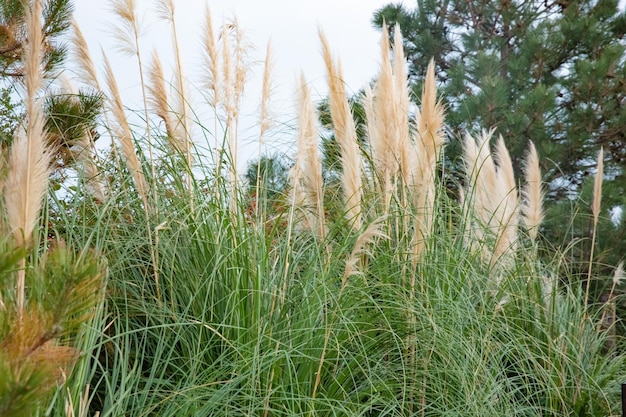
(553,72)
(68,115)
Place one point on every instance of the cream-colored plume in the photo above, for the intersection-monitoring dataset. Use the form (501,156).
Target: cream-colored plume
(306,175)
(29,159)
(345,134)
(532,210)
(427,144)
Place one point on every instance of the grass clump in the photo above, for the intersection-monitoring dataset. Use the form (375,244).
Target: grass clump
(406,302)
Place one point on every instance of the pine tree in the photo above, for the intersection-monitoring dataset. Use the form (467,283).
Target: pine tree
(68,114)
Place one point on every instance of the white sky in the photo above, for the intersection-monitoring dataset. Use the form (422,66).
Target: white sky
(292,26)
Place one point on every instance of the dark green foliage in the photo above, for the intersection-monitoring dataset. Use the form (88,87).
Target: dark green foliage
(64,288)
(56,20)
(270,174)
(10,115)
(70,118)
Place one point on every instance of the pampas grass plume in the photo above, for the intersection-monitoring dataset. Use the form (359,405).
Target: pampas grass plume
(29,159)
(618,275)
(597,188)
(124,134)
(345,133)
(86,66)
(532,210)
(307,172)
(211,56)
(385,124)
(157,97)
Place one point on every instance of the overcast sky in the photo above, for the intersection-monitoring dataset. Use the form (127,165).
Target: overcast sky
(292,26)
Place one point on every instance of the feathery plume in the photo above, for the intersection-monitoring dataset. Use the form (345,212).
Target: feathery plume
(618,275)
(508,209)
(373,231)
(595,211)
(431,116)
(29,159)
(264,120)
(166,12)
(427,145)
(157,97)
(242,47)
(266,94)
(86,66)
(128,31)
(124,134)
(403,103)
(228,104)
(597,188)
(532,210)
(345,133)
(165,9)
(211,56)
(307,181)
(491,199)
(384,125)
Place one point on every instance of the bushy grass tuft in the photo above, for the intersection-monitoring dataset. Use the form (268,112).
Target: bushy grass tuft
(401,300)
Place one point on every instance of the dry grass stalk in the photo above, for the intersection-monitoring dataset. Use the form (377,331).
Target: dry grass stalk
(212,61)
(506,240)
(157,96)
(618,277)
(266,93)
(532,210)
(240,74)
(597,188)
(242,47)
(83,404)
(384,126)
(403,103)
(211,56)
(345,133)
(88,71)
(491,200)
(128,35)
(29,159)
(166,11)
(372,232)
(609,309)
(128,32)
(595,211)
(307,181)
(86,157)
(228,104)
(86,67)
(264,120)
(427,145)
(124,135)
